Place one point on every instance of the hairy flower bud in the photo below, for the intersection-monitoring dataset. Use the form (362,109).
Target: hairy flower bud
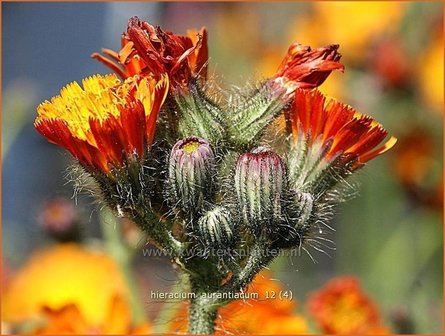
(216,228)
(259,182)
(190,173)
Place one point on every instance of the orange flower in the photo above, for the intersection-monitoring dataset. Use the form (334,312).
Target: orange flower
(332,130)
(150,50)
(106,122)
(431,81)
(417,168)
(341,307)
(265,315)
(69,290)
(344,18)
(390,62)
(306,68)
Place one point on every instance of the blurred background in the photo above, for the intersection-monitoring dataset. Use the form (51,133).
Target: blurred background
(60,253)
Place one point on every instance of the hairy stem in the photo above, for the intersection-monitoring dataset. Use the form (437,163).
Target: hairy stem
(160,234)
(202,316)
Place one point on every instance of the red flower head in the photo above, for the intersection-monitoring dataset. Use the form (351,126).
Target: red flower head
(341,307)
(306,68)
(326,132)
(106,121)
(149,50)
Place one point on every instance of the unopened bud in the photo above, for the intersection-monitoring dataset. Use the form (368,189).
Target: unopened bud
(216,228)
(190,173)
(259,182)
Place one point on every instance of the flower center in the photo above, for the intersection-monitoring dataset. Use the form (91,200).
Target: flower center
(190,147)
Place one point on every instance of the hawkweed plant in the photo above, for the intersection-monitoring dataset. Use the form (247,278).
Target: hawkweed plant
(193,166)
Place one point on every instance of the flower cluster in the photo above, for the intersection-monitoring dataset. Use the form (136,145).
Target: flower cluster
(208,179)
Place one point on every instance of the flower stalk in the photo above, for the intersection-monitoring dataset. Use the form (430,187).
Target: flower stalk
(202,316)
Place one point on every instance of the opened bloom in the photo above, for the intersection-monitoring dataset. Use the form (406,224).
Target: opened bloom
(327,133)
(306,68)
(106,122)
(341,307)
(149,50)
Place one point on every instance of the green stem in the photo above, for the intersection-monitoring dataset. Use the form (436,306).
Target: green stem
(202,316)
(122,255)
(159,233)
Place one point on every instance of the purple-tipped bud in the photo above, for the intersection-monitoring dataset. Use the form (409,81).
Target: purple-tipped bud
(216,228)
(190,173)
(259,182)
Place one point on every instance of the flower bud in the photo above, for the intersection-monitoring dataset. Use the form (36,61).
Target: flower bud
(259,181)
(216,228)
(190,173)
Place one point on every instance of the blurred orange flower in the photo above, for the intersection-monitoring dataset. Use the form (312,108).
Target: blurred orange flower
(345,19)
(431,73)
(389,60)
(69,290)
(265,315)
(418,168)
(341,307)
(59,219)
